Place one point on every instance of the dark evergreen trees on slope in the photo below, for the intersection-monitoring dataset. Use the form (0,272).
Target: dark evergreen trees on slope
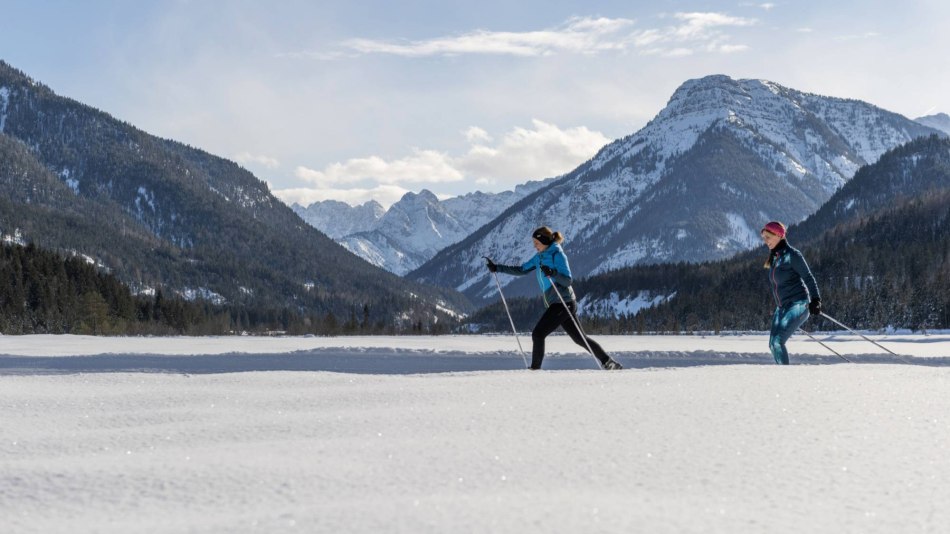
(45,293)
(910,170)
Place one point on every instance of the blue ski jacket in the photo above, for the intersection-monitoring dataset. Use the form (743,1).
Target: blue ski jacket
(552,257)
(789,276)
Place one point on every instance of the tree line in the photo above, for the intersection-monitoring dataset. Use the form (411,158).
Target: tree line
(42,292)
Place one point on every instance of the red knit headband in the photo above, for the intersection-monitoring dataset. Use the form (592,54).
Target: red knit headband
(775,227)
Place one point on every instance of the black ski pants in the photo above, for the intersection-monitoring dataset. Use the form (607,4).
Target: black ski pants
(554,317)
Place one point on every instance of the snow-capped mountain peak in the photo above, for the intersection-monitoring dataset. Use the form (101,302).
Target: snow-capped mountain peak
(723,157)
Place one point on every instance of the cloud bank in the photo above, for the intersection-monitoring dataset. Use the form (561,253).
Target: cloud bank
(522,154)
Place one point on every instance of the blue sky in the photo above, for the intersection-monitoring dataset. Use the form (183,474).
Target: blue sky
(356,100)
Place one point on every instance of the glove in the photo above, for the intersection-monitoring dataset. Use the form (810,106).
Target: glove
(491,265)
(814,307)
(548,271)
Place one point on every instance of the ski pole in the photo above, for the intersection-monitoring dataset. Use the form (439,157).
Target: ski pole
(575,321)
(842,325)
(823,345)
(512,321)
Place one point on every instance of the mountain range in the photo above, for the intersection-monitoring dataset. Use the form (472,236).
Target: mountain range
(160,214)
(696,183)
(413,229)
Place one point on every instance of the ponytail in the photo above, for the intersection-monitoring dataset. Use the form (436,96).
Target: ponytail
(558,237)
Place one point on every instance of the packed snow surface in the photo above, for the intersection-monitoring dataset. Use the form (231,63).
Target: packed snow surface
(451,434)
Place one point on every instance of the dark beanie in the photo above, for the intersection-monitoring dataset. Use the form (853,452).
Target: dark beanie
(544,235)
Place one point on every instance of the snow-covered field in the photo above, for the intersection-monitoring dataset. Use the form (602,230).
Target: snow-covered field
(451,434)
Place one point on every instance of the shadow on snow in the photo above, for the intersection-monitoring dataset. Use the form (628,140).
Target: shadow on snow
(398,362)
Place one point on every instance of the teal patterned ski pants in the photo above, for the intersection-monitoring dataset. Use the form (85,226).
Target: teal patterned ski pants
(785,321)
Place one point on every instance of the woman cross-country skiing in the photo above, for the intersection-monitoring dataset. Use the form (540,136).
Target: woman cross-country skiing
(549,264)
(792,285)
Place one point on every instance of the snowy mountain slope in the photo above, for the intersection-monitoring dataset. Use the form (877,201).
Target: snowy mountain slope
(940,121)
(411,231)
(414,229)
(695,183)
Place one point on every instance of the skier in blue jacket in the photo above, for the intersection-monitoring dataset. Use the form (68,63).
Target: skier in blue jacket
(793,288)
(549,264)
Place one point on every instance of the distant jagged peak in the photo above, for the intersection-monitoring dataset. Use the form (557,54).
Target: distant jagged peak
(375,206)
(411,201)
(422,196)
(939,121)
(325,203)
(330,203)
(935,116)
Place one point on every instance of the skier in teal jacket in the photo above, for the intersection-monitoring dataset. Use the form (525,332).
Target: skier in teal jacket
(549,264)
(793,288)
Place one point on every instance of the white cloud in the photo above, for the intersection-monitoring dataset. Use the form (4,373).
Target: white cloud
(527,154)
(245,158)
(523,154)
(579,35)
(699,26)
(768,6)
(730,49)
(674,52)
(384,194)
(694,33)
(475,134)
(422,166)
(853,37)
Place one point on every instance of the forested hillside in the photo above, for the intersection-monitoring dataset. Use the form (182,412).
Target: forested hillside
(44,293)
